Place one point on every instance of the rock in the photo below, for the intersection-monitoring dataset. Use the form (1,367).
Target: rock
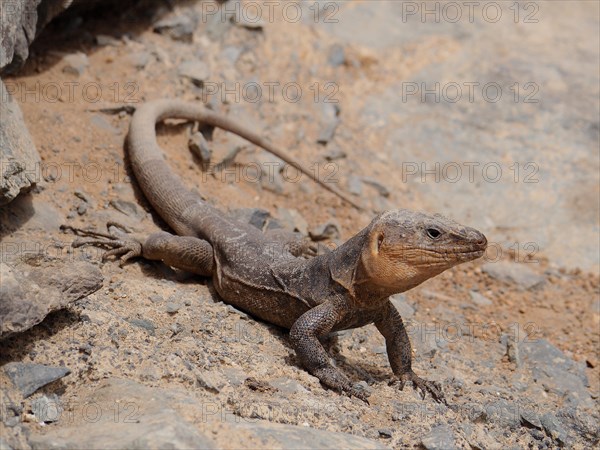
(21,21)
(385,433)
(512,348)
(140,59)
(403,307)
(28,377)
(440,437)
(530,418)
(144,324)
(354,185)
(381,189)
(105,39)
(128,208)
(330,120)
(327,231)
(197,71)
(554,428)
(293,220)
(503,414)
(251,22)
(479,299)
(144,420)
(259,218)
(288,386)
(75,63)
(513,273)
(551,368)
(335,153)
(212,381)
(179,28)
(172,308)
(20,164)
(274,435)
(31,290)
(47,409)
(337,55)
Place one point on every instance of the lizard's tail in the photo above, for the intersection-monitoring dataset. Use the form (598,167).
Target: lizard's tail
(165,191)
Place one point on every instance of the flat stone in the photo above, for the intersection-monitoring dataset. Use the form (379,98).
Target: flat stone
(128,208)
(479,299)
(440,437)
(47,409)
(551,368)
(337,55)
(179,28)
(293,220)
(327,231)
(28,377)
(554,428)
(197,71)
(144,324)
(513,273)
(75,63)
(35,285)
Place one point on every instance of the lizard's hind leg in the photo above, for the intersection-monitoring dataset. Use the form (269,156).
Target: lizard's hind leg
(182,252)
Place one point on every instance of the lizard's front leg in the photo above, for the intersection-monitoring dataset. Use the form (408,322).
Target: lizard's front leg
(305,334)
(182,252)
(399,351)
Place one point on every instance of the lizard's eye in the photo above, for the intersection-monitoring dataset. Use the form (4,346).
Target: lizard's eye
(433,233)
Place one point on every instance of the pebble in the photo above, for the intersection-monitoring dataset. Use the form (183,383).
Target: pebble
(513,273)
(337,55)
(440,437)
(75,63)
(197,71)
(172,308)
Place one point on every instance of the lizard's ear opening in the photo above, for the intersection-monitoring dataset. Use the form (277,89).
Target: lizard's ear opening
(376,242)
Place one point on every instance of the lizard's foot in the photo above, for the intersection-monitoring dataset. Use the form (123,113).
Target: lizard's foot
(333,379)
(120,245)
(424,386)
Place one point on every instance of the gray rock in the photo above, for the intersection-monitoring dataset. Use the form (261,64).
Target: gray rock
(327,131)
(197,71)
(20,164)
(179,28)
(28,377)
(354,185)
(403,307)
(21,21)
(558,373)
(172,308)
(440,437)
(531,418)
(140,59)
(479,299)
(288,386)
(512,348)
(274,435)
(293,220)
(102,123)
(513,273)
(381,189)
(144,324)
(145,420)
(256,217)
(105,39)
(503,414)
(555,429)
(329,230)
(335,153)
(128,208)
(31,290)
(337,55)
(211,381)
(251,22)
(47,409)
(75,63)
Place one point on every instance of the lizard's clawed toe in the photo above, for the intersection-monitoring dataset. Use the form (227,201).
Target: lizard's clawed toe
(423,386)
(120,246)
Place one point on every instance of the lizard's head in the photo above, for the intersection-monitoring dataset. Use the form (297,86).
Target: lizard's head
(405,248)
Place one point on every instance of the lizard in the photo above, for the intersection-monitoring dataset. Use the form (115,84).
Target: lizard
(345,288)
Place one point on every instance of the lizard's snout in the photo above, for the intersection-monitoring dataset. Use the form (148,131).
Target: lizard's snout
(477,238)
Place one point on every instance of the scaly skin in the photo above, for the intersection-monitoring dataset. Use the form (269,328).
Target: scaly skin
(257,273)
